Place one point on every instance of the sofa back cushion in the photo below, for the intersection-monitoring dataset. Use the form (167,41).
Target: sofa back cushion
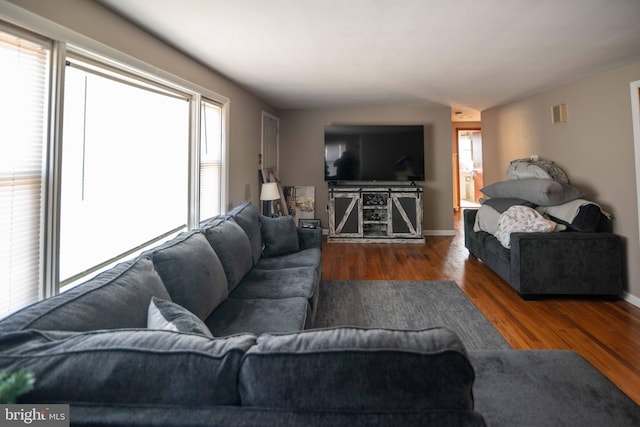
(116,298)
(279,236)
(127,366)
(358,369)
(248,218)
(232,245)
(192,273)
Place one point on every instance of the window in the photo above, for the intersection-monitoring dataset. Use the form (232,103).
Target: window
(98,161)
(24,61)
(211,160)
(125,158)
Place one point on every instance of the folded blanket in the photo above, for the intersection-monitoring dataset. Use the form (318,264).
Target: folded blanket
(568,211)
(520,218)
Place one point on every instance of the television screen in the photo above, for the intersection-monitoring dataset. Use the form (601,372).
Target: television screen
(374,153)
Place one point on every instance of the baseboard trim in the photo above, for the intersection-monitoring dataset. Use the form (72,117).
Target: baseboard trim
(439,233)
(631,299)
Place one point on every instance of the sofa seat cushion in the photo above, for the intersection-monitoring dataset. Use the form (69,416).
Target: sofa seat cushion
(311,257)
(232,246)
(127,366)
(279,236)
(547,388)
(248,218)
(256,316)
(358,369)
(116,298)
(170,316)
(192,273)
(283,283)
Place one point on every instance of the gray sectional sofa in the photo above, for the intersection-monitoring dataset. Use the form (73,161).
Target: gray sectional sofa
(208,329)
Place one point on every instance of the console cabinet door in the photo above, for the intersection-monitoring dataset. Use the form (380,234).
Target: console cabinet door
(345,215)
(406,215)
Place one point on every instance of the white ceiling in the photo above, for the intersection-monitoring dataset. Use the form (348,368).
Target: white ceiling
(467,54)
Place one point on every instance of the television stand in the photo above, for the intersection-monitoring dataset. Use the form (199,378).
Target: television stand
(375,213)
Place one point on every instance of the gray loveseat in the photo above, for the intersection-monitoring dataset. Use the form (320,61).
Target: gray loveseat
(134,347)
(561,263)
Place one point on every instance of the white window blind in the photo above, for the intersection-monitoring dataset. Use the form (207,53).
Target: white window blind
(211,160)
(24,85)
(124,166)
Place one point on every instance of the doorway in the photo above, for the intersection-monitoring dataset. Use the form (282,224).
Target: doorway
(469,167)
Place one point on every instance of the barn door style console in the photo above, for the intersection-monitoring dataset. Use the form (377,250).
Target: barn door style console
(375,213)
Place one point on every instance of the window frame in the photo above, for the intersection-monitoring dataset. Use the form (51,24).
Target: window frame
(44,285)
(223,161)
(66,42)
(106,70)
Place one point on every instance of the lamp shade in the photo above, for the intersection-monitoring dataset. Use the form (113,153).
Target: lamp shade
(269,191)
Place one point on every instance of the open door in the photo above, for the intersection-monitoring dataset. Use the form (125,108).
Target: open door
(476,153)
(469,166)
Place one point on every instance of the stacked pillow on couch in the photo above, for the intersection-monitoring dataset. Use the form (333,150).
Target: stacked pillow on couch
(537,196)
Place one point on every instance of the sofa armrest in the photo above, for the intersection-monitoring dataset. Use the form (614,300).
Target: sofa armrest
(469,217)
(310,238)
(567,263)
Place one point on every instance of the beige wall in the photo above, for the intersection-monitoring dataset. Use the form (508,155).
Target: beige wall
(595,146)
(302,153)
(91,20)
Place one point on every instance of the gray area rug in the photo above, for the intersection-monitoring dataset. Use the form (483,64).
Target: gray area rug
(406,305)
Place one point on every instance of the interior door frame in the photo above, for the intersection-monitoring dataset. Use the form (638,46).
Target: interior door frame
(262,147)
(635,116)
(265,168)
(456,162)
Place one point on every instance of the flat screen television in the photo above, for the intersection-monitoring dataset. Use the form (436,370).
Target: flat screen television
(374,153)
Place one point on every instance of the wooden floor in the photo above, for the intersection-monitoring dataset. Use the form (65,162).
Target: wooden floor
(604,332)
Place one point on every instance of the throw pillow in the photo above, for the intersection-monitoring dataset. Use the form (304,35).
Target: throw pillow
(487,219)
(542,192)
(170,316)
(528,168)
(489,212)
(279,236)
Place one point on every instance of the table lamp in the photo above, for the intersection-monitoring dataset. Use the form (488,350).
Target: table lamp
(269,193)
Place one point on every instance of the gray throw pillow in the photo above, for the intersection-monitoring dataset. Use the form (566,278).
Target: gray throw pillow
(279,236)
(542,192)
(170,316)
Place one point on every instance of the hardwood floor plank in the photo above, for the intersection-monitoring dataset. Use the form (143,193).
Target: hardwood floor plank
(606,333)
